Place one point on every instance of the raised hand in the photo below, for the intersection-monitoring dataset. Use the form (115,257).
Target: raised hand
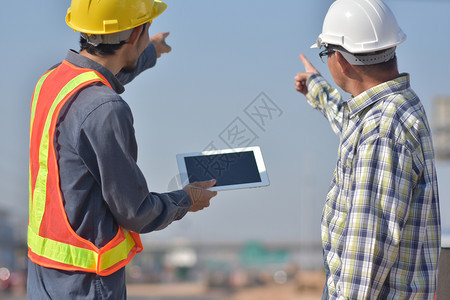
(302,77)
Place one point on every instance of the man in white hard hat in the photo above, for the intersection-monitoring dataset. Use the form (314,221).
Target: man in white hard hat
(381,220)
(89,201)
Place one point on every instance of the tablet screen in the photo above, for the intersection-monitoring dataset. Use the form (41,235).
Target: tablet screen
(232,168)
(227,169)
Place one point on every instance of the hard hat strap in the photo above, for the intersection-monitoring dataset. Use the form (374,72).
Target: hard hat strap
(108,39)
(365,59)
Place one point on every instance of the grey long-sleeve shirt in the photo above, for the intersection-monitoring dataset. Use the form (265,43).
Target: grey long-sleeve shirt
(101,183)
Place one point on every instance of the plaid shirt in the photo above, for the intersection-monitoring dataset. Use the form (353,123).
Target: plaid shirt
(381,220)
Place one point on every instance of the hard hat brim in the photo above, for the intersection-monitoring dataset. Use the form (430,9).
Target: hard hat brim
(158,8)
(318,44)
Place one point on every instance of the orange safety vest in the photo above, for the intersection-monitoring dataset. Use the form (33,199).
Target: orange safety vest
(51,240)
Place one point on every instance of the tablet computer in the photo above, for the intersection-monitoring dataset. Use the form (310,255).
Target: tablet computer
(232,168)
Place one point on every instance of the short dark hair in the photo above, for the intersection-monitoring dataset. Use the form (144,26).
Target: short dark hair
(104,49)
(101,49)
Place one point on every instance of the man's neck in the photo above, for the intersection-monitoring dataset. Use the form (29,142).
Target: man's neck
(111,62)
(365,82)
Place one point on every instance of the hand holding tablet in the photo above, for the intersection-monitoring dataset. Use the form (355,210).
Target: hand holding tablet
(199,194)
(232,168)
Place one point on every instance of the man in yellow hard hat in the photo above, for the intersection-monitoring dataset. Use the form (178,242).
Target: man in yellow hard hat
(89,201)
(381,221)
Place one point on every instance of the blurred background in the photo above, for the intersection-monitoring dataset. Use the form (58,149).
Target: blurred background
(229,82)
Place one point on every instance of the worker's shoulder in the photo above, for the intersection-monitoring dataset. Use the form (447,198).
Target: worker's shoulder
(98,101)
(399,117)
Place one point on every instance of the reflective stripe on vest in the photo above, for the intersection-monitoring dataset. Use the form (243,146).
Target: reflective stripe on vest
(51,240)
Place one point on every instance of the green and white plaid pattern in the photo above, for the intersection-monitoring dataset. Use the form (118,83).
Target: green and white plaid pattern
(381,220)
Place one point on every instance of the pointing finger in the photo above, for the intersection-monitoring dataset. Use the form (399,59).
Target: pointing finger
(308,66)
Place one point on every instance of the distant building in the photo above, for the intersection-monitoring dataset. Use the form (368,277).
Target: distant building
(441,127)
(220,263)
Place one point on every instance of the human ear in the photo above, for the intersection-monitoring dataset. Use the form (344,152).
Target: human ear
(134,37)
(344,65)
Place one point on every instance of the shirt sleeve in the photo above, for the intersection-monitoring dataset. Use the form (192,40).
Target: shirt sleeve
(146,61)
(108,148)
(377,211)
(327,100)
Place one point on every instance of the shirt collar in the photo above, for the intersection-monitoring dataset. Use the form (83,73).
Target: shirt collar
(83,62)
(375,94)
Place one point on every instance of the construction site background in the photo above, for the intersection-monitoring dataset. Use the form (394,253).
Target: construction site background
(183,269)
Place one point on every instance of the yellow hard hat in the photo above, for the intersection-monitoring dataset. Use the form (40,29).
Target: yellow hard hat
(111,16)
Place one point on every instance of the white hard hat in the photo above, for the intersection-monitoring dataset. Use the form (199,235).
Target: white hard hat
(360,26)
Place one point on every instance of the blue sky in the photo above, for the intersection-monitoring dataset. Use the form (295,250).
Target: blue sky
(224,60)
